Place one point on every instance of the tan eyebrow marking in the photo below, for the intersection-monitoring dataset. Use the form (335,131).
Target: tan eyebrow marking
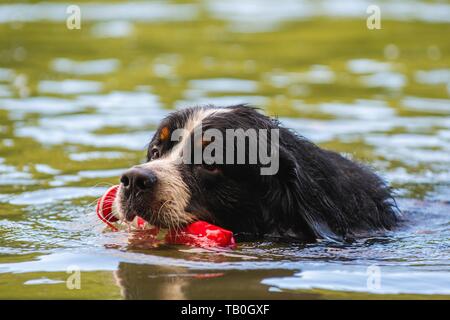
(164,135)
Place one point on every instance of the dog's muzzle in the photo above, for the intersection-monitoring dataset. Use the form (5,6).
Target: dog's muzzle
(137,184)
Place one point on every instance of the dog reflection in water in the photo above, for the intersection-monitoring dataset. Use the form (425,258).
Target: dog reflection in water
(163,282)
(137,281)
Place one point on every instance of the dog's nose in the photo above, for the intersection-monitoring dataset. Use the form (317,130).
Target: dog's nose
(138,179)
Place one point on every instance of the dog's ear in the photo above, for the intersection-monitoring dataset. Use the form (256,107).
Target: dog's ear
(300,204)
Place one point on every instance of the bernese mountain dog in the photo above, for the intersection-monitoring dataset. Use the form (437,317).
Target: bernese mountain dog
(312,194)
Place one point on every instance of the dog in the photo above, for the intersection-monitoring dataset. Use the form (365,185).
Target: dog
(313,195)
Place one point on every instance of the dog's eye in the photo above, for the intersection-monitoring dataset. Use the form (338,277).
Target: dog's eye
(211,168)
(154,153)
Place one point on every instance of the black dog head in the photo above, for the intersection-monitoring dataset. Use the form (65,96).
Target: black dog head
(308,193)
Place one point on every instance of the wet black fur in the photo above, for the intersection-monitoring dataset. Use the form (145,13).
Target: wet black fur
(317,194)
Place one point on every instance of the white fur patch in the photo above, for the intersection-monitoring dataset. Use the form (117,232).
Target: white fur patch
(171,194)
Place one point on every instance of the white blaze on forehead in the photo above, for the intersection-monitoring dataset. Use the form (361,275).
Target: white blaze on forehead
(193,122)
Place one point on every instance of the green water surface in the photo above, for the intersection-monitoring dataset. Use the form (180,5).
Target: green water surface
(77,107)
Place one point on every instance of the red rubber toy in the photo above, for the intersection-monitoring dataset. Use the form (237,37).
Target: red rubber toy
(198,233)
(105,208)
(202,234)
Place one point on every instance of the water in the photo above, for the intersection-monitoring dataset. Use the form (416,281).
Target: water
(78,106)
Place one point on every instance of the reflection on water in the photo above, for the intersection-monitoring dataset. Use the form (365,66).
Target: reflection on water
(78,107)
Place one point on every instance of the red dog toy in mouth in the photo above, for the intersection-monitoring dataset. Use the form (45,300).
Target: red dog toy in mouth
(198,233)
(105,207)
